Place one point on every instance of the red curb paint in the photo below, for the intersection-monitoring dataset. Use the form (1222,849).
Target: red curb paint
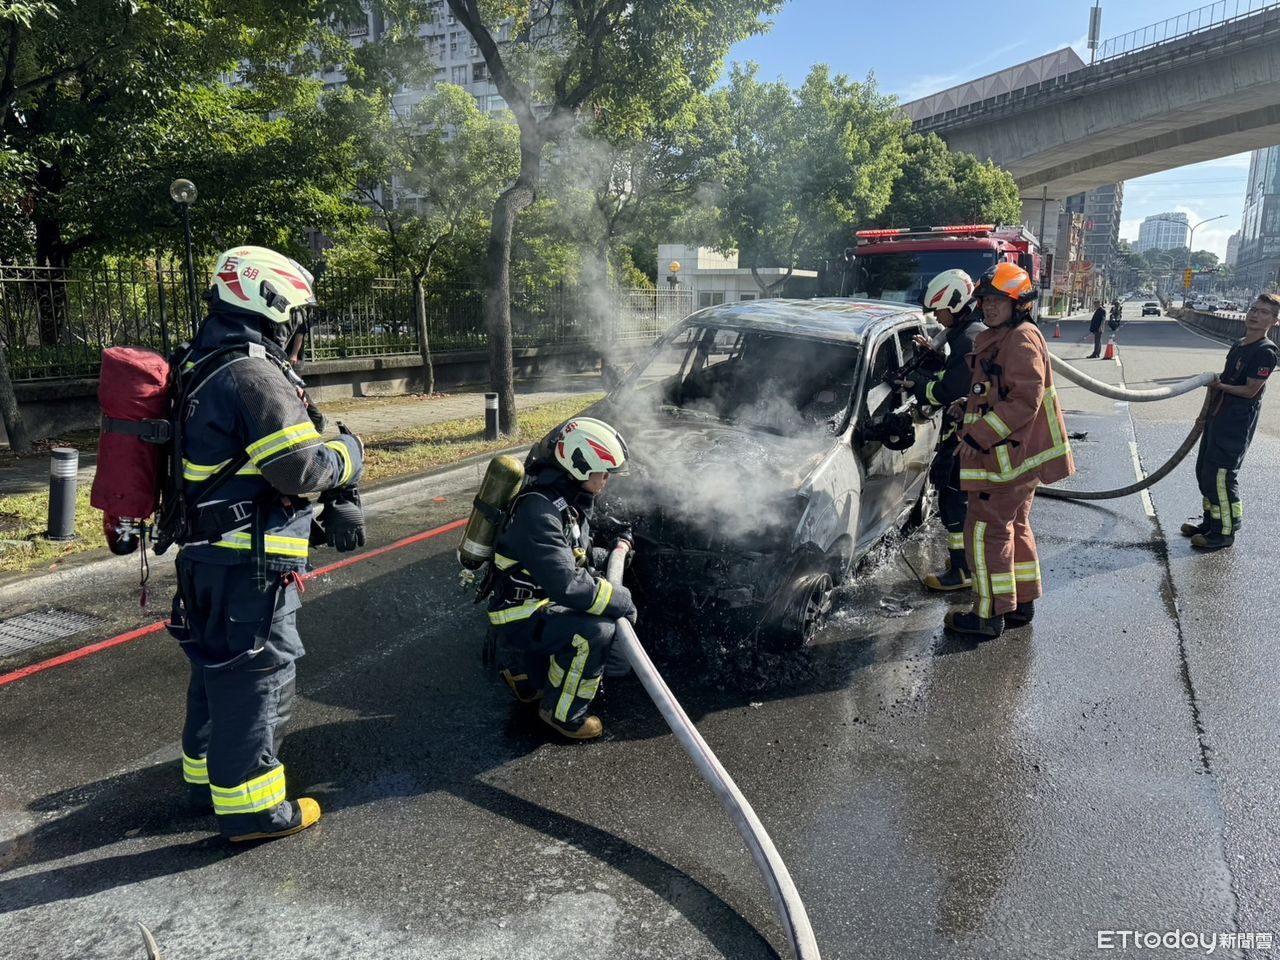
(146,631)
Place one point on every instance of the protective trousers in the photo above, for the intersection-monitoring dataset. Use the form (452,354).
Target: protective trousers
(564,653)
(944,474)
(1001,549)
(1223,445)
(242,644)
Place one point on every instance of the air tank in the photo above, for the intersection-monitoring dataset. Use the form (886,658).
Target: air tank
(502,481)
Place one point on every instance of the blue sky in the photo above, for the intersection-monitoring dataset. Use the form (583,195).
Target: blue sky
(909,46)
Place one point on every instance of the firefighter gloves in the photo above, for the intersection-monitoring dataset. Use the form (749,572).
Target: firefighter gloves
(342,520)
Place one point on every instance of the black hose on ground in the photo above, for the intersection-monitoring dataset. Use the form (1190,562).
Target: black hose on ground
(1057,493)
(786,898)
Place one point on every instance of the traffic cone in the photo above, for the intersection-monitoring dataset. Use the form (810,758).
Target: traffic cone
(1057,331)
(1111,349)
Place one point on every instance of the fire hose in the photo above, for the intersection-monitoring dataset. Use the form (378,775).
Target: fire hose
(786,898)
(1137,396)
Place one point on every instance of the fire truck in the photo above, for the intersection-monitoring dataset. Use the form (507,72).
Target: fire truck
(897,263)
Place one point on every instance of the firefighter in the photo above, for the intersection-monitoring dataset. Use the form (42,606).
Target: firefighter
(549,603)
(949,297)
(248,429)
(1229,427)
(1013,437)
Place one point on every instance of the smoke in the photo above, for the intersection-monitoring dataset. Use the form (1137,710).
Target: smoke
(718,454)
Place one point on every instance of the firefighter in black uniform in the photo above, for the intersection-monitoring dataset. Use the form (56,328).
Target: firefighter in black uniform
(250,452)
(1229,427)
(550,604)
(949,297)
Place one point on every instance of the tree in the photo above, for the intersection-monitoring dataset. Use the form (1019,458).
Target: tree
(805,168)
(552,59)
(939,186)
(436,171)
(105,99)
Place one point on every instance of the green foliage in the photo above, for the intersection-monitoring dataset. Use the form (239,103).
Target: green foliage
(438,170)
(107,102)
(807,167)
(939,186)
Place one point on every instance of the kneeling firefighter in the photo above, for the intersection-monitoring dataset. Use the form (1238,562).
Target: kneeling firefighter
(1013,437)
(247,449)
(949,297)
(549,603)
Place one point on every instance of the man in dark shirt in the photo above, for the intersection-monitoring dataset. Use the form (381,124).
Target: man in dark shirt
(1229,427)
(1095,327)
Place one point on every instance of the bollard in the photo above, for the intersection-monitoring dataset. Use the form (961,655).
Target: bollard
(491,416)
(64,463)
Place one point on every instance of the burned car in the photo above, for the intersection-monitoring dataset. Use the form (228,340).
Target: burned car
(769,453)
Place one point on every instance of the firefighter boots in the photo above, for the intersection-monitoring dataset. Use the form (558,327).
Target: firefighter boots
(521,686)
(1211,541)
(589,728)
(956,576)
(308,813)
(1021,615)
(973,627)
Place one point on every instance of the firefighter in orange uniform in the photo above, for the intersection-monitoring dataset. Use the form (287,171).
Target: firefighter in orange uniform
(1012,439)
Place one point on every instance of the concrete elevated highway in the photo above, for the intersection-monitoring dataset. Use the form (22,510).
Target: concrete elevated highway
(1206,94)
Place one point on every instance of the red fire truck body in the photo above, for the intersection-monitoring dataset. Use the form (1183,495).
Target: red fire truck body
(897,264)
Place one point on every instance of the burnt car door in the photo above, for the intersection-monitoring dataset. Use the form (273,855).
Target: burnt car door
(882,486)
(917,458)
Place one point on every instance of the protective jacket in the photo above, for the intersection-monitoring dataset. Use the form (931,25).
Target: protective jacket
(951,383)
(1013,427)
(544,555)
(248,406)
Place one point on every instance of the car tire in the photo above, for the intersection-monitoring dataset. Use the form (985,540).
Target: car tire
(810,597)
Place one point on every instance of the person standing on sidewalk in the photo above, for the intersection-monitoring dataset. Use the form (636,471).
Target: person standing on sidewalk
(1095,327)
(1013,438)
(1230,425)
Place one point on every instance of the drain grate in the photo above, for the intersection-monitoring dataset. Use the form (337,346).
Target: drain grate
(33,629)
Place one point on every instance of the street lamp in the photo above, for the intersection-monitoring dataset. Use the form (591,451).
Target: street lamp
(1191,235)
(183,193)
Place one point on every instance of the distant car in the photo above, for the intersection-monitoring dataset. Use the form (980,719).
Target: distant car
(1229,305)
(768,455)
(1151,309)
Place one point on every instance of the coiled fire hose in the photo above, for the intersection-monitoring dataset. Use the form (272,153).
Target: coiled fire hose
(786,898)
(1137,396)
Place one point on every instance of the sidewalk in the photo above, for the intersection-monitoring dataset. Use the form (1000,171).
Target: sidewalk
(367,416)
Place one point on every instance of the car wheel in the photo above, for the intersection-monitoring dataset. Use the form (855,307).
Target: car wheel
(809,603)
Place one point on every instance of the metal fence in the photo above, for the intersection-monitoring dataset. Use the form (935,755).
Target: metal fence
(1175,28)
(54,323)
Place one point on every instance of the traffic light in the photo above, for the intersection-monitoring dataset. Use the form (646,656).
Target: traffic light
(1186,279)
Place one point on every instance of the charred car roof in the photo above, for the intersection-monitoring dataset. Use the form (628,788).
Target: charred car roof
(830,318)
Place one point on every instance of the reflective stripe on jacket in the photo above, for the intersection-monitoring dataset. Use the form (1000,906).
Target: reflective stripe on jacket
(543,555)
(1013,429)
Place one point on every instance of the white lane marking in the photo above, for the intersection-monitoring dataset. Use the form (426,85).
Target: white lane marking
(1147,503)
(1202,336)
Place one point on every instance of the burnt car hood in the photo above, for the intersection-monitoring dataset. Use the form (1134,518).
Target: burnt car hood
(699,485)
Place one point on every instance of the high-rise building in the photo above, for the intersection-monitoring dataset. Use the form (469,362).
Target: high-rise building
(1163,231)
(1258,263)
(1233,249)
(1100,209)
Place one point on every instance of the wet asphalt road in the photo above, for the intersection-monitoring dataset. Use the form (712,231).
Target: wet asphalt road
(1110,767)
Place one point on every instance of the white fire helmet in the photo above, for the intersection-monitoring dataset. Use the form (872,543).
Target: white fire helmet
(263,282)
(949,290)
(586,446)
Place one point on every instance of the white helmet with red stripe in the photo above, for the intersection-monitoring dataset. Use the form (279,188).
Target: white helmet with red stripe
(263,282)
(949,290)
(586,446)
